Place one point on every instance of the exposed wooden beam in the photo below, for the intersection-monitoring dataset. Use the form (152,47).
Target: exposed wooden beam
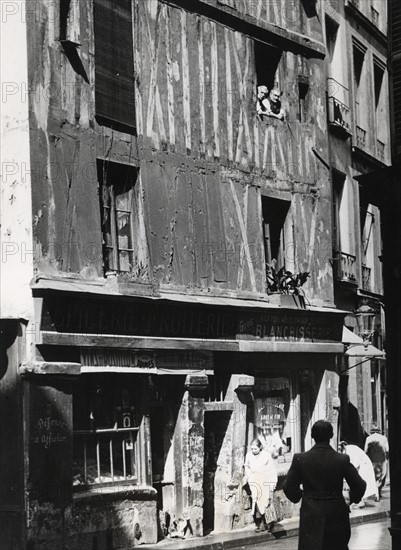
(260,30)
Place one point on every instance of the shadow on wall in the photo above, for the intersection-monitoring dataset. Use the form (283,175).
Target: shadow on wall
(12,531)
(309,387)
(216,426)
(165,399)
(351,429)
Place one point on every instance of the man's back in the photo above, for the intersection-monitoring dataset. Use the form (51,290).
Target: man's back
(324,514)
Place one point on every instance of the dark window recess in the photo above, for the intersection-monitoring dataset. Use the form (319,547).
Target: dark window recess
(358,54)
(114,64)
(309,7)
(64,17)
(69,30)
(117,182)
(106,420)
(359,57)
(267,59)
(303,88)
(274,213)
(338,186)
(378,74)
(331,36)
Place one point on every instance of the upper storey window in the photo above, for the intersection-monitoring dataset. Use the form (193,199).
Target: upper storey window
(119,216)
(381,108)
(275,218)
(114,63)
(360,93)
(269,93)
(69,22)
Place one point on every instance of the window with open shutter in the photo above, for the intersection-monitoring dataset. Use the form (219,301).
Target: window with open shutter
(114,61)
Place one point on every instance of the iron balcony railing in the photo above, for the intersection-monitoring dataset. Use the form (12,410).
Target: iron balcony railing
(366,274)
(380,150)
(338,105)
(339,114)
(360,137)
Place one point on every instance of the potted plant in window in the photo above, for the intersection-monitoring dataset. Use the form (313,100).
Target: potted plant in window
(284,286)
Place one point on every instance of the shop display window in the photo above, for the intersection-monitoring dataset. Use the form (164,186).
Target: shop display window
(275,418)
(106,432)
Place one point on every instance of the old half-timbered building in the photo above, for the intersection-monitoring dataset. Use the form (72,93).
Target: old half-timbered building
(148,205)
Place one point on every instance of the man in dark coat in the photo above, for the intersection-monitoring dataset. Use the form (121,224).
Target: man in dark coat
(324,519)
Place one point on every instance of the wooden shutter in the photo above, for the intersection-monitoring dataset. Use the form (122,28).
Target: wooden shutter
(114,61)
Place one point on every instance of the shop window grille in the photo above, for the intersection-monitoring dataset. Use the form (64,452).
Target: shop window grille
(105,456)
(218,385)
(106,434)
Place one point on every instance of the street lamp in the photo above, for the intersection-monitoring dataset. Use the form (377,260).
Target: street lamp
(365,317)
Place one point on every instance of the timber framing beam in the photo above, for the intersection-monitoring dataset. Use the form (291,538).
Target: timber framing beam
(146,343)
(264,31)
(135,342)
(44,367)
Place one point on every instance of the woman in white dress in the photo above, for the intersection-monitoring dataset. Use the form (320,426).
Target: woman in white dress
(261,476)
(362,463)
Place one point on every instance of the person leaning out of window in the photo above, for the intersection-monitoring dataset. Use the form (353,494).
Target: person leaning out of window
(269,104)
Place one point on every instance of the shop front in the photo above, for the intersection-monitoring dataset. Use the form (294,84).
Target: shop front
(141,410)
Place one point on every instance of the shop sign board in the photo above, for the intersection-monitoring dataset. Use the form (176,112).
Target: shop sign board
(161,318)
(50,444)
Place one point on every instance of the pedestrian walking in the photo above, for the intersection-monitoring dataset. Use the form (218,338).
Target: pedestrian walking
(324,517)
(376,447)
(364,467)
(261,476)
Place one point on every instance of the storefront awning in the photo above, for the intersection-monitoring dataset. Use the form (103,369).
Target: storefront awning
(359,350)
(356,346)
(290,347)
(350,337)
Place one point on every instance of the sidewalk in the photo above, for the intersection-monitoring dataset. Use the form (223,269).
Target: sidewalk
(241,538)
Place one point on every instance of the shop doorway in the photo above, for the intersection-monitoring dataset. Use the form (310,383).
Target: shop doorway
(166,395)
(216,424)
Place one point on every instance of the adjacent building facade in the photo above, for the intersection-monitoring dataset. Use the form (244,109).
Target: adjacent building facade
(144,203)
(360,151)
